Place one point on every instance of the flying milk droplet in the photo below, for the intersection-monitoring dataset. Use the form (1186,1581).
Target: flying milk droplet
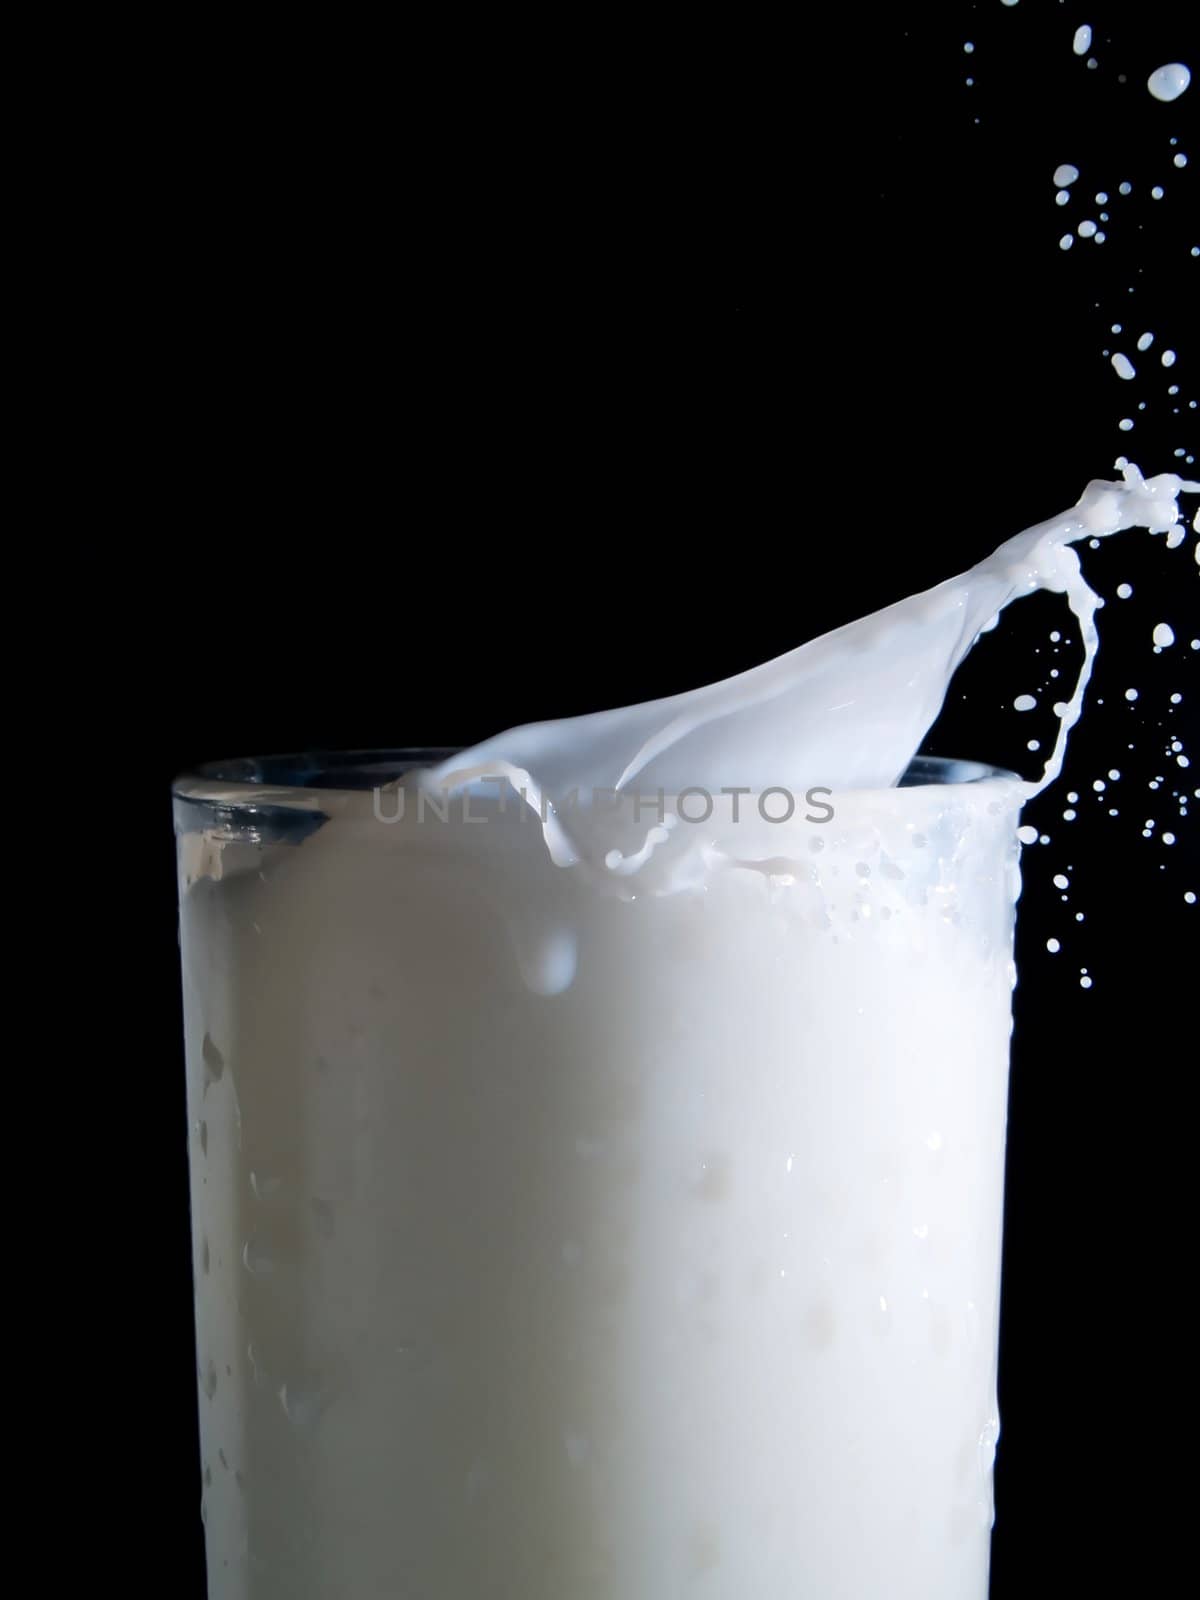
(1065,175)
(1024,702)
(1123,367)
(1169,82)
(1083,40)
(1164,635)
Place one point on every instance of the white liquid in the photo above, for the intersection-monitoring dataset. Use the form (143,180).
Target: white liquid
(1169,82)
(599,1204)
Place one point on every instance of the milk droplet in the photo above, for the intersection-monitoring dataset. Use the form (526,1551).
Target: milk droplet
(1131,694)
(1125,188)
(1086,228)
(1181,160)
(1125,424)
(1085,982)
(1146,340)
(1061,881)
(1123,367)
(1065,175)
(1164,635)
(1168,358)
(1124,590)
(1169,82)
(1024,702)
(1189,897)
(1083,40)
(1067,240)
(1027,835)
(1053,946)
(1157,192)
(968,47)
(1062,197)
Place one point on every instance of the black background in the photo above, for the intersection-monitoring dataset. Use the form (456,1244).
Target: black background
(458,362)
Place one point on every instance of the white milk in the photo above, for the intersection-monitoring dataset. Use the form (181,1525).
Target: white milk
(594,1206)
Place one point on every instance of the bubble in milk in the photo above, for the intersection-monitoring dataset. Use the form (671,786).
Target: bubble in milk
(1123,367)
(549,967)
(1169,82)
(1065,175)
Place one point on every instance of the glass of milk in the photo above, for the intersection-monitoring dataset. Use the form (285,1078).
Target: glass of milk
(556,1244)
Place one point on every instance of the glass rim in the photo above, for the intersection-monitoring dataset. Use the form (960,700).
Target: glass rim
(353,771)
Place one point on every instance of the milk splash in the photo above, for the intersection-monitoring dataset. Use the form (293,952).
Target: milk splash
(847,710)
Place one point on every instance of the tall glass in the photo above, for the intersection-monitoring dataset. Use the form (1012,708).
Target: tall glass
(559,1245)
